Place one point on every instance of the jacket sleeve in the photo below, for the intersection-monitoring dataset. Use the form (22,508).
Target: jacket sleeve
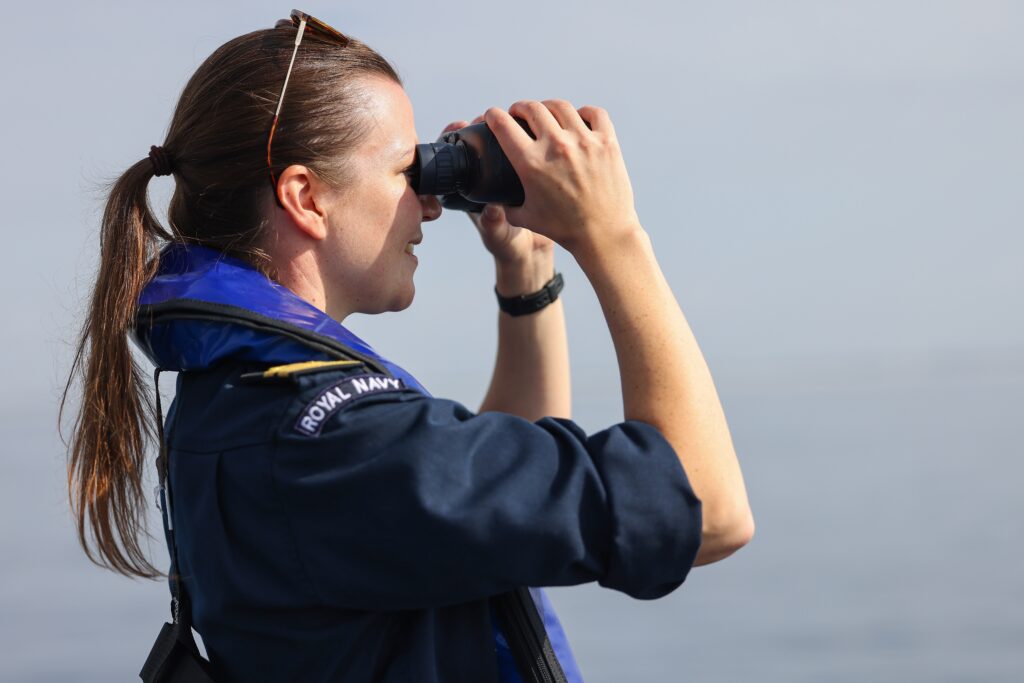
(404,501)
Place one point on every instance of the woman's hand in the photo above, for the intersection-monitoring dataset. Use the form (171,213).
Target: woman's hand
(525,259)
(577,188)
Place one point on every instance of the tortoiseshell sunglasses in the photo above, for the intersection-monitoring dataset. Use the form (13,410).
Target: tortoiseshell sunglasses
(303,22)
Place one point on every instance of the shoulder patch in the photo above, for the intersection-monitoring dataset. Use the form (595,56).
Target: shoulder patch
(295,369)
(335,397)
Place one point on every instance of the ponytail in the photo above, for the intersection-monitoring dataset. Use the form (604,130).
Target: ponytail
(222,191)
(114,423)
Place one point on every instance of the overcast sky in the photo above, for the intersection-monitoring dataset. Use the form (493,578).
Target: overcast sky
(822,180)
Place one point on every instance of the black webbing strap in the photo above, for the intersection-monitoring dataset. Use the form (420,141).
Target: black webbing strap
(527,638)
(175,657)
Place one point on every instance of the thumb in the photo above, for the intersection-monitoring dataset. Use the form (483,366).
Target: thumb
(493,214)
(513,214)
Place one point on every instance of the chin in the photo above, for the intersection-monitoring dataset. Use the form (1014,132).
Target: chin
(380,300)
(405,300)
(399,301)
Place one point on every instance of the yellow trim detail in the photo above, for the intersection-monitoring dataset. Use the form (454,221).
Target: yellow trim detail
(291,368)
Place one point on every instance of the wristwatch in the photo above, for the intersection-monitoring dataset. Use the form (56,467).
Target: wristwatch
(526,304)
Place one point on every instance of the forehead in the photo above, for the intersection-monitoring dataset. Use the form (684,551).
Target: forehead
(391,128)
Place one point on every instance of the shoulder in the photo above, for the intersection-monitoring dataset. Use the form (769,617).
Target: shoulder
(317,394)
(235,404)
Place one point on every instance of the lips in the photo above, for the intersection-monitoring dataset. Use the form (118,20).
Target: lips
(409,247)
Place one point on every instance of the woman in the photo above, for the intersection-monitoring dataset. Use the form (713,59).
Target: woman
(329,519)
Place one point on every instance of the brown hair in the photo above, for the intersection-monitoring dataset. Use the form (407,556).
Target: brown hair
(217,142)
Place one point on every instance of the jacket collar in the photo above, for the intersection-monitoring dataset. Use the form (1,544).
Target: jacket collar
(204,307)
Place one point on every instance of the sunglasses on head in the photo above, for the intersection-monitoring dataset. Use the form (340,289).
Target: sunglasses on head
(303,23)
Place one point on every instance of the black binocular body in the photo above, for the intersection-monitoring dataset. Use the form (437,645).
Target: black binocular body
(467,170)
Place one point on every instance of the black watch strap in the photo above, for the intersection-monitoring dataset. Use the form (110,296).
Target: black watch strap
(531,303)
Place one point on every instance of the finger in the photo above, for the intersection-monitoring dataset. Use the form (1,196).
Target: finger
(488,221)
(537,116)
(494,229)
(454,125)
(478,119)
(510,135)
(492,215)
(513,215)
(598,119)
(566,115)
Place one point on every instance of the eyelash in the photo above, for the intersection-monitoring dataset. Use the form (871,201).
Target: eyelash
(410,168)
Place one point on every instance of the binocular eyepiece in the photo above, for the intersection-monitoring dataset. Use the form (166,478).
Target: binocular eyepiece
(467,169)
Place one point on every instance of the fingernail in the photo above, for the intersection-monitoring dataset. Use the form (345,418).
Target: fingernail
(491,211)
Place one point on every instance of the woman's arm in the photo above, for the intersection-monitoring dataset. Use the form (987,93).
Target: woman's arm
(579,194)
(531,373)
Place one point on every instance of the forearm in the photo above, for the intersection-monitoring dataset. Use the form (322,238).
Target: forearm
(531,372)
(666,383)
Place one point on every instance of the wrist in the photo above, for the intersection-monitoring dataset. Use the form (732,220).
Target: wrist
(533,302)
(596,255)
(524,276)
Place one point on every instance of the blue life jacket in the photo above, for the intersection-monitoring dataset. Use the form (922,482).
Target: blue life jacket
(336,522)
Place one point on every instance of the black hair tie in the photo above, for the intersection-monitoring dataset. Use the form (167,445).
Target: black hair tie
(161,160)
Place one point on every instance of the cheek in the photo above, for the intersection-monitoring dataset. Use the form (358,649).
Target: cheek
(410,202)
(384,210)
(393,195)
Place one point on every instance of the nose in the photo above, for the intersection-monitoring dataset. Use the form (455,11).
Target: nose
(431,207)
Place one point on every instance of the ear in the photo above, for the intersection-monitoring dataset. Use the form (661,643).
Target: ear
(303,197)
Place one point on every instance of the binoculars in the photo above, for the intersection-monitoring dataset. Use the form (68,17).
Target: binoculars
(467,169)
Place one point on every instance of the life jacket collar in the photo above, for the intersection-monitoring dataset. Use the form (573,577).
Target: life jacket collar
(204,307)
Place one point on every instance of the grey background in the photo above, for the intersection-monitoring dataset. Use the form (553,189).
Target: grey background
(834,190)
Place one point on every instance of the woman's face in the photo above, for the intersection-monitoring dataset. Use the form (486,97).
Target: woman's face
(367,260)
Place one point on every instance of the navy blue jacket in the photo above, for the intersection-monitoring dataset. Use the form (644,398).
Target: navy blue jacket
(335,522)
